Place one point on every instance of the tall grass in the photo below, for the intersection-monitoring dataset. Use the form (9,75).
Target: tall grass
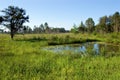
(22,58)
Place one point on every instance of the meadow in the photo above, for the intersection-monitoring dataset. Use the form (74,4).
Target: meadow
(23,58)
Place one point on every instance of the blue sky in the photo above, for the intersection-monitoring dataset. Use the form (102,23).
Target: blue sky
(63,13)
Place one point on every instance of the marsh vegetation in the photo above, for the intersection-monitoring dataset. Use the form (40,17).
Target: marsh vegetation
(23,58)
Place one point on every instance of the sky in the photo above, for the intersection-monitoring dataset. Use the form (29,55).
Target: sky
(63,13)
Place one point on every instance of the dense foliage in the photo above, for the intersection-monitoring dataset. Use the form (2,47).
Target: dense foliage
(107,24)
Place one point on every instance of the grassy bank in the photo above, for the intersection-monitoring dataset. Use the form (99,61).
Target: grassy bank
(70,38)
(58,39)
(22,58)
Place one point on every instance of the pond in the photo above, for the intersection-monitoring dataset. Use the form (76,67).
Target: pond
(93,48)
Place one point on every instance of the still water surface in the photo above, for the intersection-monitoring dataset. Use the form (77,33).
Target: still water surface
(94,47)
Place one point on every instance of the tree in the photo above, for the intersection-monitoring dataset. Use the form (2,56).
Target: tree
(46,25)
(14,19)
(36,29)
(116,21)
(90,24)
(74,29)
(82,27)
(47,28)
(105,24)
(1,19)
(27,29)
(42,28)
(58,30)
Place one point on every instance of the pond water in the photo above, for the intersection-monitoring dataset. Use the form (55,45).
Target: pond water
(89,47)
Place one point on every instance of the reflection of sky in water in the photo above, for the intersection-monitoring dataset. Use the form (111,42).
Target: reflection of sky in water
(95,47)
(59,49)
(82,49)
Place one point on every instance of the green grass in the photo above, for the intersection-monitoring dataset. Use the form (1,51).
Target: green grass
(22,58)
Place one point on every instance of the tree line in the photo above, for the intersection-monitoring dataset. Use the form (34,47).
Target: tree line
(107,24)
(45,28)
(15,17)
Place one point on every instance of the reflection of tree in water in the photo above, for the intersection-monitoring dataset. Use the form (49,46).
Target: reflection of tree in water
(108,48)
(112,48)
(90,46)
